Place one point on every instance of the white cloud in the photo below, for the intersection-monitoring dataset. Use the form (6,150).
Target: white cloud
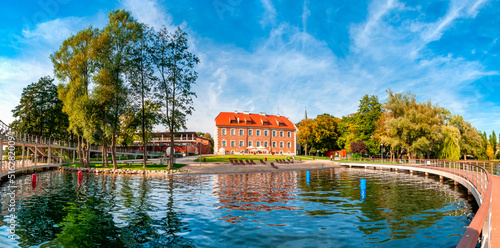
(149,12)
(269,17)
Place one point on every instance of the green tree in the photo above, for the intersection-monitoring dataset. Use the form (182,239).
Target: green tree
(369,111)
(40,111)
(74,64)
(493,141)
(450,148)
(416,126)
(142,80)
(325,132)
(305,133)
(361,125)
(349,131)
(175,66)
(470,138)
(121,32)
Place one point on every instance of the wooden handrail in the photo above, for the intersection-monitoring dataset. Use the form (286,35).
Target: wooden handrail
(471,235)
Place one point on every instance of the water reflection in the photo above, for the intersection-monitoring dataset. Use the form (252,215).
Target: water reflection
(105,211)
(281,209)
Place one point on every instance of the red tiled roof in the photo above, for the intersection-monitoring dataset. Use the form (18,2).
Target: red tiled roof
(224,119)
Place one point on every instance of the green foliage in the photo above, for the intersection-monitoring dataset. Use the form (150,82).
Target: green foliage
(319,134)
(470,138)
(110,90)
(175,65)
(361,125)
(40,111)
(305,133)
(450,148)
(414,126)
(493,141)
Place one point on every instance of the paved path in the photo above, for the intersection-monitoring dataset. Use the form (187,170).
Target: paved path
(495,213)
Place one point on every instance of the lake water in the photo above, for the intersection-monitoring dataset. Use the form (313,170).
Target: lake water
(238,210)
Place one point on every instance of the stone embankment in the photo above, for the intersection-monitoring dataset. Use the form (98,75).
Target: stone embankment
(121,171)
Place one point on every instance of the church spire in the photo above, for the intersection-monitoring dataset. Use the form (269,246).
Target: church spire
(305,115)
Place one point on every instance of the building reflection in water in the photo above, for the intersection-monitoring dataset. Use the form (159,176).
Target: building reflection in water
(254,192)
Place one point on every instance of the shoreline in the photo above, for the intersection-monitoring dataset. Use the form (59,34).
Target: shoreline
(217,168)
(228,168)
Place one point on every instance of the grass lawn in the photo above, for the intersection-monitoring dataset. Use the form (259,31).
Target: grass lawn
(225,158)
(315,157)
(136,166)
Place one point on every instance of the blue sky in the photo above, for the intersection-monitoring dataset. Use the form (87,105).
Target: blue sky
(266,55)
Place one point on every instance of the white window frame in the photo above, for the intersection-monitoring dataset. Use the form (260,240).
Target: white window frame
(282,145)
(242,132)
(233,132)
(282,134)
(242,143)
(274,133)
(289,144)
(289,134)
(224,143)
(257,144)
(257,132)
(223,131)
(274,143)
(250,132)
(233,143)
(250,143)
(266,144)
(266,133)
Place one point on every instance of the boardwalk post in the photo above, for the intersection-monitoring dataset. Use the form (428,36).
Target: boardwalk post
(62,156)
(50,156)
(22,156)
(35,153)
(73,156)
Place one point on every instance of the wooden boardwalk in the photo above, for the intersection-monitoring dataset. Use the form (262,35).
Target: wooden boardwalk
(495,212)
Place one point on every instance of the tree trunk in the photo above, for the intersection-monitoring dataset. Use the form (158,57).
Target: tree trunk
(306,149)
(80,157)
(172,120)
(88,154)
(113,152)
(144,146)
(105,151)
(465,156)
(143,124)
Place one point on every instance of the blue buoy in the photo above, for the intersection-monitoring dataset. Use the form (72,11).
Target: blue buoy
(363,194)
(362,184)
(308,176)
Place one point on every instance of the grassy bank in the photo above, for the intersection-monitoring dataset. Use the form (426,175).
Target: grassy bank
(123,166)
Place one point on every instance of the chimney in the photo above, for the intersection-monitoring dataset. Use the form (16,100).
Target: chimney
(262,114)
(236,112)
(246,112)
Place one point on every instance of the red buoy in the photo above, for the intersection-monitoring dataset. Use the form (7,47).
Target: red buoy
(79,175)
(33,185)
(33,178)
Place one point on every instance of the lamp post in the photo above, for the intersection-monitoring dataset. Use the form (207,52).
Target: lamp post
(382,151)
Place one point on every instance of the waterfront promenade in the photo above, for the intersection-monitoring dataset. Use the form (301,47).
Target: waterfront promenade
(484,186)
